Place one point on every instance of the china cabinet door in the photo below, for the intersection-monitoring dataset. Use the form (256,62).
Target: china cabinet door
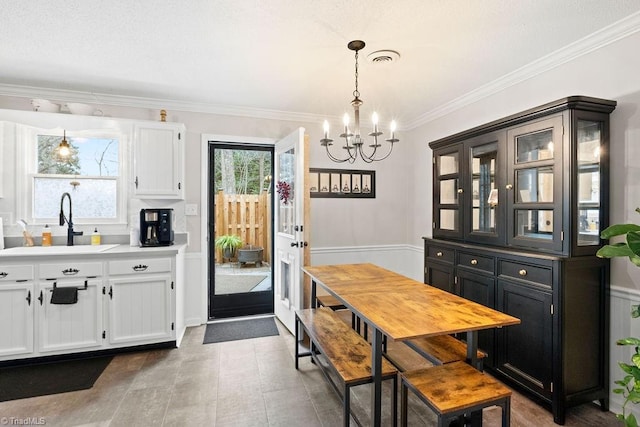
(448,192)
(484,173)
(534,185)
(591,153)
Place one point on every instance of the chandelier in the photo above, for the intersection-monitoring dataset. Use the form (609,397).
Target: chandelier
(354,142)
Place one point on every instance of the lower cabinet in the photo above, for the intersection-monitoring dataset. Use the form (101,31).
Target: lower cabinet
(559,352)
(121,302)
(140,295)
(524,350)
(481,289)
(70,326)
(16,315)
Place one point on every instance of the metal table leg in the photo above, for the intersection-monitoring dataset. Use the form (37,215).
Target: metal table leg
(376,373)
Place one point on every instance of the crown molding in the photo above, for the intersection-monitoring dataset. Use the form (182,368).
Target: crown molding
(601,38)
(62,95)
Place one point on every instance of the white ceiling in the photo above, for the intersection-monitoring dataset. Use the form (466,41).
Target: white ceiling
(289,58)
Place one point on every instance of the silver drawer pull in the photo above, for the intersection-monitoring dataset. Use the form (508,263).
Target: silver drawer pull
(70,271)
(508,187)
(3,274)
(522,272)
(474,261)
(140,267)
(439,254)
(460,190)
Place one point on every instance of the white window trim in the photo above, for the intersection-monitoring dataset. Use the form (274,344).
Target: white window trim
(26,170)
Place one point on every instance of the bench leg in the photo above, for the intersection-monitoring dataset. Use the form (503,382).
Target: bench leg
(297,334)
(394,402)
(403,404)
(506,413)
(346,406)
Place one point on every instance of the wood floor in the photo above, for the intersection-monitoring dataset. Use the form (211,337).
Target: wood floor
(239,383)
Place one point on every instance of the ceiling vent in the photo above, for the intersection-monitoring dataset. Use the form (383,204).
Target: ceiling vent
(383,56)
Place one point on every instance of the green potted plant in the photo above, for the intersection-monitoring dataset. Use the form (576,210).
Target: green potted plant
(228,243)
(629,386)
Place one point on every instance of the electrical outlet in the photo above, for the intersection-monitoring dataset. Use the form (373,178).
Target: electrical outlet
(191,209)
(7,218)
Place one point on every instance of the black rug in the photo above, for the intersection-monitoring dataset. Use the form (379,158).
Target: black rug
(240,330)
(20,382)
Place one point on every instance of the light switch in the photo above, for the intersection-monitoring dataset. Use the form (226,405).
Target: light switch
(191,209)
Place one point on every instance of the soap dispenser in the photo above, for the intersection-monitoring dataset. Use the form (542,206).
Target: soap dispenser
(95,237)
(46,235)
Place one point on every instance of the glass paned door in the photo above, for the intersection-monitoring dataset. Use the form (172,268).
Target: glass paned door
(449,194)
(534,186)
(484,178)
(589,139)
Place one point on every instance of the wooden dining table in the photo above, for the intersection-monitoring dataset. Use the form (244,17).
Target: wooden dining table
(401,308)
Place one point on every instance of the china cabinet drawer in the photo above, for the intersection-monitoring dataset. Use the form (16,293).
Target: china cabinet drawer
(16,273)
(531,273)
(140,266)
(480,262)
(439,253)
(70,269)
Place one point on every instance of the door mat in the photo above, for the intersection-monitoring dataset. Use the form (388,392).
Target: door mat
(240,330)
(236,283)
(20,382)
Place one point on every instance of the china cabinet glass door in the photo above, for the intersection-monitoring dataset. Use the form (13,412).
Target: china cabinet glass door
(485,177)
(447,213)
(534,187)
(589,143)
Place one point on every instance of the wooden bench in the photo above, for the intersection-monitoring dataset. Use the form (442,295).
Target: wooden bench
(443,349)
(347,353)
(452,390)
(334,304)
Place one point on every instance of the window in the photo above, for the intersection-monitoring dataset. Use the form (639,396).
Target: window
(91,174)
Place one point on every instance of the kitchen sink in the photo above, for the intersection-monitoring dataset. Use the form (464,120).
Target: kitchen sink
(57,250)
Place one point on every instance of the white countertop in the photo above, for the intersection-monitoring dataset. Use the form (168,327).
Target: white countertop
(92,251)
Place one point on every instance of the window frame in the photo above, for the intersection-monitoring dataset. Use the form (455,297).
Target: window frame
(27,164)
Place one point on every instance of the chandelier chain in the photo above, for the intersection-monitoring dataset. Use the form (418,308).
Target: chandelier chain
(356,93)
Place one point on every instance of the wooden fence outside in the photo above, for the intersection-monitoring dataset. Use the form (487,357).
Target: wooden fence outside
(247,216)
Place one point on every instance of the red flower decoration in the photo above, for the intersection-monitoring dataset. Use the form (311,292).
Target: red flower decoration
(284,191)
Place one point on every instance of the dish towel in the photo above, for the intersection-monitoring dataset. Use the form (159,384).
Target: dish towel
(64,296)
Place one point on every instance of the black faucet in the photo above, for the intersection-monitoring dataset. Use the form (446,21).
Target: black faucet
(70,232)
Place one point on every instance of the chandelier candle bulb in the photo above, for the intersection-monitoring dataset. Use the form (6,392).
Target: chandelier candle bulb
(325,126)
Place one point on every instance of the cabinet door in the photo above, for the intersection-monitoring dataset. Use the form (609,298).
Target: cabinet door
(591,159)
(139,309)
(534,185)
(16,317)
(525,350)
(481,289)
(484,171)
(440,276)
(70,326)
(448,193)
(158,151)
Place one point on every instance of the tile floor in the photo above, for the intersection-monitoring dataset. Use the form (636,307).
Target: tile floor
(238,383)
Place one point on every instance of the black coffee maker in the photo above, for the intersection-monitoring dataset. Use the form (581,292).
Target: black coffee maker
(155,227)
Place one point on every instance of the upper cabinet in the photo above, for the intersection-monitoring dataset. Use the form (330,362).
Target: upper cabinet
(529,181)
(158,156)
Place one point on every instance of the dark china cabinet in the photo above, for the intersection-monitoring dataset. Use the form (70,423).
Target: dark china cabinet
(517,212)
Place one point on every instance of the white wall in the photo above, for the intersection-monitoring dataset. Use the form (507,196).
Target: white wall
(610,72)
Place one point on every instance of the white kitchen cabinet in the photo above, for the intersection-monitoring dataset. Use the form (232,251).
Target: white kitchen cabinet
(63,327)
(140,300)
(16,310)
(70,326)
(158,157)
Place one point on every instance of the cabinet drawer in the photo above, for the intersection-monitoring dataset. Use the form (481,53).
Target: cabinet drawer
(13,273)
(70,269)
(439,253)
(532,273)
(140,266)
(481,262)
